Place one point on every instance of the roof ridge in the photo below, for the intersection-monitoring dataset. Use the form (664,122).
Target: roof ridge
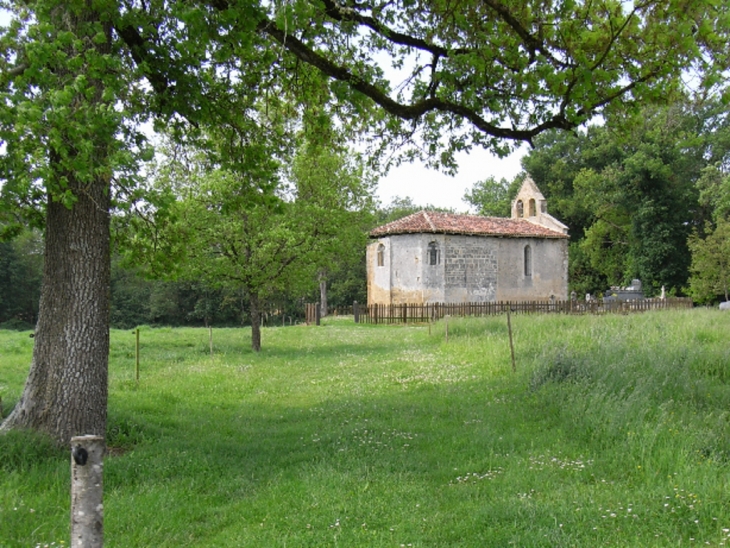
(429,221)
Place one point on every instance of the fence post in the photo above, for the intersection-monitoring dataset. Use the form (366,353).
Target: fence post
(511,345)
(317,314)
(136,354)
(356,312)
(87,510)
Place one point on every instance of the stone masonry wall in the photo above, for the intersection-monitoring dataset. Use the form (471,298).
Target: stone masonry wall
(470,269)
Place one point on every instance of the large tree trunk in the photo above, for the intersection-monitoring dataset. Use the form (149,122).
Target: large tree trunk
(254,309)
(65,394)
(66,391)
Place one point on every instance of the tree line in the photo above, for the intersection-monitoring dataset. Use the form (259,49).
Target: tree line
(139,297)
(646,197)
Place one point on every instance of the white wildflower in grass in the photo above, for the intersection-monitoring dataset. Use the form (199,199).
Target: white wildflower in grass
(473,477)
(541,462)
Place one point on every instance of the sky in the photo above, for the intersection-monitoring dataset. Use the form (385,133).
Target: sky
(430,187)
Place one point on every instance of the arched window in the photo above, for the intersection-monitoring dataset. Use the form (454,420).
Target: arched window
(528,261)
(520,209)
(532,209)
(381,255)
(433,254)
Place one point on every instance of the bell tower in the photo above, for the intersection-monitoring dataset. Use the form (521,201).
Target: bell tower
(531,205)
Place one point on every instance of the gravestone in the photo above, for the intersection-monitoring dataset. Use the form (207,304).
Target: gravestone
(630,293)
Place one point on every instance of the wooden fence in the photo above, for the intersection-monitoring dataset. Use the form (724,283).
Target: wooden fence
(404,313)
(310,311)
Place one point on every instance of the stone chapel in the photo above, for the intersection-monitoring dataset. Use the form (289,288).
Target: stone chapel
(433,257)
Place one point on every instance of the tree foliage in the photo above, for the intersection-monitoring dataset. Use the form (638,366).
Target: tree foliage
(710,263)
(631,194)
(710,244)
(493,198)
(21,267)
(228,233)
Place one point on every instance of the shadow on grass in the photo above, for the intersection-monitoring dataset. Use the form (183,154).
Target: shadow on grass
(23,450)
(420,432)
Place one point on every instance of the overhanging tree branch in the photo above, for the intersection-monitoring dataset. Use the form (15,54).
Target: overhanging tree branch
(401,110)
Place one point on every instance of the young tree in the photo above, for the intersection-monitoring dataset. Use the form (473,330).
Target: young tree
(227,233)
(269,246)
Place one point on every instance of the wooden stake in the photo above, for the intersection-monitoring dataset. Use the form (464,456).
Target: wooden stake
(136,366)
(87,510)
(511,346)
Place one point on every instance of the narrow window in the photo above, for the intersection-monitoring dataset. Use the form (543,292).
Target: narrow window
(433,253)
(533,211)
(381,255)
(528,261)
(520,209)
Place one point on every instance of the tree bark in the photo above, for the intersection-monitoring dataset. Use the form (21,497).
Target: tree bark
(65,394)
(254,309)
(87,491)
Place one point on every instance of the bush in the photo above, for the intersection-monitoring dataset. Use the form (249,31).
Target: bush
(16,324)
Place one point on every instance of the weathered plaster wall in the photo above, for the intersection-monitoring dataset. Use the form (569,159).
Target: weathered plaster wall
(406,276)
(413,280)
(378,276)
(549,269)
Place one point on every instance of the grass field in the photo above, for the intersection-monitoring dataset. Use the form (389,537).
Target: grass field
(613,431)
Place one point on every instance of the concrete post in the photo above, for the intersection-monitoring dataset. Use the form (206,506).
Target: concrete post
(87,509)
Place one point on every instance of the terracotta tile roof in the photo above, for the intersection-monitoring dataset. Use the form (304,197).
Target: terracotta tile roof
(435,222)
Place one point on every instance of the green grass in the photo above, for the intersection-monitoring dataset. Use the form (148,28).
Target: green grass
(614,431)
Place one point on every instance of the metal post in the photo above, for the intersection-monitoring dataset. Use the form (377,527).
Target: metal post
(87,509)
